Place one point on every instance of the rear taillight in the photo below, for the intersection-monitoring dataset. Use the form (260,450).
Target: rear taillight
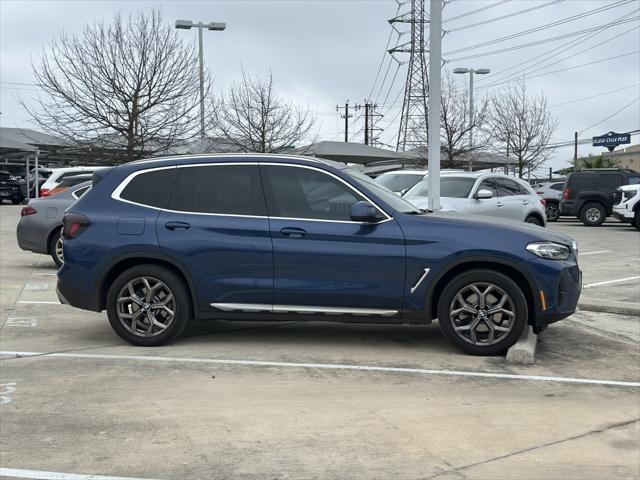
(565,193)
(27,211)
(539,193)
(54,191)
(44,192)
(543,202)
(73,224)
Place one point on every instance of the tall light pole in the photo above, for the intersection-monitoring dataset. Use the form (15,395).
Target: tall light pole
(435,67)
(471,71)
(214,26)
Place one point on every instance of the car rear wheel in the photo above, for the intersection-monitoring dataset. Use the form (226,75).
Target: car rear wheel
(55,248)
(553,212)
(593,214)
(148,305)
(482,312)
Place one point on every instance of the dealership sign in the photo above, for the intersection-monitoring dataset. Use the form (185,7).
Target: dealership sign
(611,140)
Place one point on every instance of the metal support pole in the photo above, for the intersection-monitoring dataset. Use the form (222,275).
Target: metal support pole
(27,178)
(201,82)
(366,123)
(435,66)
(470,120)
(575,148)
(346,122)
(37,176)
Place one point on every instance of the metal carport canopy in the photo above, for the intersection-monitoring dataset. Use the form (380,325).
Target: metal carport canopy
(348,152)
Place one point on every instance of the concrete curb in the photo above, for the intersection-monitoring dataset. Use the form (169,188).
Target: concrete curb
(609,306)
(524,350)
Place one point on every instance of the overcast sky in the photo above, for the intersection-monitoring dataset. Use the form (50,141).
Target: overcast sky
(324,52)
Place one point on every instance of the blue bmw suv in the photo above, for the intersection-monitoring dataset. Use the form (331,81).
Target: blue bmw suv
(267,237)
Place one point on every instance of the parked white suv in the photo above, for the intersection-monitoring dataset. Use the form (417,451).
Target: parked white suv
(490,194)
(628,208)
(401,181)
(59,174)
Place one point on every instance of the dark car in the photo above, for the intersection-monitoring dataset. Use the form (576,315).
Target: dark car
(590,194)
(41,221)
(10,188)
(266,237)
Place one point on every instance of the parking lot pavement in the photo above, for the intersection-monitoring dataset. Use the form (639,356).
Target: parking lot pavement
(304,400)
(609,259)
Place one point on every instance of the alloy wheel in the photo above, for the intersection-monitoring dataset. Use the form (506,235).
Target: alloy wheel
(146,306)
(482,313)
(552,212)
(593,214)
(58,250)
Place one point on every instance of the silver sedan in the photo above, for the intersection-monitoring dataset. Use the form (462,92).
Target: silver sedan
(41,220)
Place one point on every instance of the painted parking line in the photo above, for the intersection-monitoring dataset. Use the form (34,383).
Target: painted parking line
(593,253)
(325,366)
(40,475)
(38,302)
(611,282)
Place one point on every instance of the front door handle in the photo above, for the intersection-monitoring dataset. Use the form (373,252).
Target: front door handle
(293,232)
(499,204)
(525,202)
(177,226)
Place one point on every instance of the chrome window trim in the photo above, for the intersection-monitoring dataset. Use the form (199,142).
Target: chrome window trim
(421,279)
(263,307)
(116,194)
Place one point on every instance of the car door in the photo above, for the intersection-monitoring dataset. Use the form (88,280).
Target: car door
(215,225)
(323,261)
(512,203)
(491,207)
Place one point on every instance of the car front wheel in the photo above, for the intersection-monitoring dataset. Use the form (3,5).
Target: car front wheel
(636,220)
(148,305)
(55,249)
(482,312)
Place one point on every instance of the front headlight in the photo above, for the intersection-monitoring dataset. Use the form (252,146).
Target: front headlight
(549,250)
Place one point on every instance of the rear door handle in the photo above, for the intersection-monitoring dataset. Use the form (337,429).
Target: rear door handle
(293,232)
(499,204)
(525,202)
(177,226)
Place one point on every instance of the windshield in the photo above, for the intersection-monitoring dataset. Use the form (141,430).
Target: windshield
(453,187)
(393,200)
(397,182)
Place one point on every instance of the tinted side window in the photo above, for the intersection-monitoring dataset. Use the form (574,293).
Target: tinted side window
(222,189)
(507,187)
(557,186)
(609,181)
(634,180)
(304,193)
(581,181)
(489,184)
(150,188)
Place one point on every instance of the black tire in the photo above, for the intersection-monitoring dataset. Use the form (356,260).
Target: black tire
(593,214)
(532,219)
(553,211)
(16,201)
(636,219)
(54,248)
(182,309)
(516,303)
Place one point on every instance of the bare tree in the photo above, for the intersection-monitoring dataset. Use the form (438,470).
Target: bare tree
(522,126)
(253,118)
(456,122)
(131,84)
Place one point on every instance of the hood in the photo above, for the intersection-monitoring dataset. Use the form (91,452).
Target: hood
(629,188)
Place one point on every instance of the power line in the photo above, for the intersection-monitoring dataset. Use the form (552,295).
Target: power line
(610,116)
(549,54)
(546,40)
(594,96)
(509,15)
(542,27)
(473,12)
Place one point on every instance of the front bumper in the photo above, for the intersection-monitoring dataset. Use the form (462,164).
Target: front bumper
(622,214)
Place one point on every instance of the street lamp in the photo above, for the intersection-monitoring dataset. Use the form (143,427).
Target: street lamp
(471,71)
(214,26)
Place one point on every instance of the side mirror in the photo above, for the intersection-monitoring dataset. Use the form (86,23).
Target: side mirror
(484,193)
(403,191)
(364,212)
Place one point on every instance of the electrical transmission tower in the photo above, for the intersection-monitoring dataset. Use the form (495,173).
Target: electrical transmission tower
(413,120)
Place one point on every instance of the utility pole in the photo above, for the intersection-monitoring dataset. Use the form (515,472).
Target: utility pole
(368,120)
(346,117)
(575,149)
(435,67)
(366,123)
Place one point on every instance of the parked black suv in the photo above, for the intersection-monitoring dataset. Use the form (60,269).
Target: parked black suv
(10,188)
(589,194)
